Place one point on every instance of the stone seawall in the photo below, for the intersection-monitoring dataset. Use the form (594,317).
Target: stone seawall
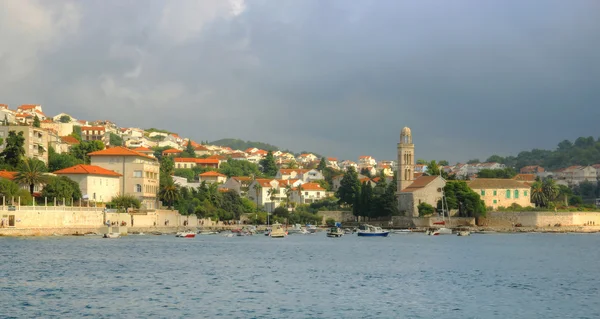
(539,219)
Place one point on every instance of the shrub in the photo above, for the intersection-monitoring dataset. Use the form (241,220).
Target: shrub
(330,222)
(425,209)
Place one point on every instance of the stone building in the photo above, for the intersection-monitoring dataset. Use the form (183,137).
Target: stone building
(496,192)
(412,192)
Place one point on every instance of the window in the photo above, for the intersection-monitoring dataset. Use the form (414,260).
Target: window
(495,201)
(495,193)
(525,193)
(138,188)
(508,193)
(516,193)
(137,173)
(483,192)
(306,193)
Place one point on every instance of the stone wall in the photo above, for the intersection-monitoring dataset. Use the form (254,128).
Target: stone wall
(338,216)
(539,219)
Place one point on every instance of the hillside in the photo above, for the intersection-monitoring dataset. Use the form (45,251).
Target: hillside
(584,151)
(238,144)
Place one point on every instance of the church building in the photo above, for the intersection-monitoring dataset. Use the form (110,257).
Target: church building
(414,191)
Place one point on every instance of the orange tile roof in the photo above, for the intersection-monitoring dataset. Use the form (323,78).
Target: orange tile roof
(419,183)
(8,174)
(4,106)
(264,182)
(310,187)
(69,139)
(218,157)
(119,151)
(287,171)
(364,156)
(332,159)
(201,148)
(27,106)
(211,173)
(172,151)
(197,160)
(524,177)
(87,170)
(143,149)
(47,121)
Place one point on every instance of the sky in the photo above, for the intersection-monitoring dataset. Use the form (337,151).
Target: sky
(471,78)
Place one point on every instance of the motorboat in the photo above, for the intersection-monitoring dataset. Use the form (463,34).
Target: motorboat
(207,232)
(111,235)
(335,232)
(403,231)
(372,231)
(277,231)
(311,228)
(186,234)
(439,231)
(464,233)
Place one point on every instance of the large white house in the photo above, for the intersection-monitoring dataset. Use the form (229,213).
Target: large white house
(96,183)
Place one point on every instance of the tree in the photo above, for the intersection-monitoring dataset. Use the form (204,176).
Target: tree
(65,119)
(31,172)
(189,151)
(349,189)
(81,150)
(61,188)
(36,121)
(443,163)
(425,209)
(115,140)
(433,169)
(188,173)
(58,161)
(473,161)
(239,168)
(257,188)
(505,173)
(365,171)
(268,165)
(77,132)
(272,192)
(538,197)
(5,121)
(322,164)
(169,193)
(366,200)
(421,161)
(550,189)
(14,150)
(462,197)
(125,201)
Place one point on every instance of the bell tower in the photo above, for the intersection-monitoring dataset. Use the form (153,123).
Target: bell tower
(406,160)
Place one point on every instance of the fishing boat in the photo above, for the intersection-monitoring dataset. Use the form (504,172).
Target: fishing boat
(186,234)
(277,231)
(335,232)
(111,235)
(372,231)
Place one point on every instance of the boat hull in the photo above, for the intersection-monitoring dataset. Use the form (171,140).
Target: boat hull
(383,234)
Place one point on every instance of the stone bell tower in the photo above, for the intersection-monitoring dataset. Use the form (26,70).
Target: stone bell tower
(406,160)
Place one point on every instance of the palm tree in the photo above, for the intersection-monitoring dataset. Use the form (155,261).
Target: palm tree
(272,194)
(288,193)
(538,197)
(550,189)
(31,172)
(300,189)
(256,188)
(169,193)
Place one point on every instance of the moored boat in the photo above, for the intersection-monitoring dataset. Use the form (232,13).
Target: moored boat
(186,234)
(277,231)
(372,231)
(464,233)
(335,232)
(311,228)
(111,235)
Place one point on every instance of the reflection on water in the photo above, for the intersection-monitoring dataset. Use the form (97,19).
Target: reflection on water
(302,276)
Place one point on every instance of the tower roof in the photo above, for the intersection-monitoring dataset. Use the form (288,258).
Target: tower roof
(406,131)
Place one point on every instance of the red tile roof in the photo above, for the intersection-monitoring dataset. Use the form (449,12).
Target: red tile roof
(172,151)
(93,128)
(69,140)
(119,151)
(310,187)
(87,170)
(211,173)
(524,177)
(8,174)
(27,106)
(143,150)
(196,160)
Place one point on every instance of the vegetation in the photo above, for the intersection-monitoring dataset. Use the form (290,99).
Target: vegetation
(433,169)
(31,172)
(65,119)
(169,193)
(460,196)
(152,129)
(61,188)
(239,168)
(349,190)
(36,122)
(10,190)
(322,164)
(506,173)
(584,151)
(115,140)
(14,151)
(425,209)
(80,151)
(207,201)
(58,161)
(124,202)
(268,166)
(189,151)
(76,132)
(237,144)
(543,193)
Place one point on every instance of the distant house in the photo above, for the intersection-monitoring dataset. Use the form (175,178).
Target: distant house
(424,189)
(240,184)
(532,169)
(96,183)
(171,152)
(186,162)
(308,193)
(496,192)
(95,133)
(290,173)
(212,177)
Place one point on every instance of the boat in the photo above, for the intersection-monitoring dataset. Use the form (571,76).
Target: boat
(311,228)
(464,233)
(335,232)
(372,231)
(207,232)
(445,213)
(403,231)
(111,235)
(277,231)
(348,231)
(186,234)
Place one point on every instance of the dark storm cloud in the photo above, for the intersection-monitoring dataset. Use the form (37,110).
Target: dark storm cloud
(471,78)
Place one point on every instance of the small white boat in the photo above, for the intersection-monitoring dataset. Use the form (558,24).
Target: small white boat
(464,233)
(111,235)
(403,231)
(277,231)
(439,231)
(186,234)
(311,228)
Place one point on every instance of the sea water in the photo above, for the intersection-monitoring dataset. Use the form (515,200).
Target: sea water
(302,276)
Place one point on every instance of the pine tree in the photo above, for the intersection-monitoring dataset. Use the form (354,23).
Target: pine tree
(349,190)
(268,165)
(14,151)
(36,121)
(366,200)
(322,165)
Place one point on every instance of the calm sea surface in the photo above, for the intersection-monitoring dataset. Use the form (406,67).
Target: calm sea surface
(302,276)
